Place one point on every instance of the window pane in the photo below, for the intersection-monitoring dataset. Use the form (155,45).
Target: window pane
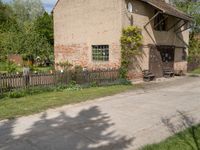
(100,52)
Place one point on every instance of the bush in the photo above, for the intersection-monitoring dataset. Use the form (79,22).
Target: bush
(73,86)
(94,84)
(38,90)
(131,41)
(124,82)
(2,96)
(17,94)
(11,67)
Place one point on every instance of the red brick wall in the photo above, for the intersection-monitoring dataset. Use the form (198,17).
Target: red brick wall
(81,54)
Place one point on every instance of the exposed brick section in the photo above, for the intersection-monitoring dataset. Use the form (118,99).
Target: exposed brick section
(81,54)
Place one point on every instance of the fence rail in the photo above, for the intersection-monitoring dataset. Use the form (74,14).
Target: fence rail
(9,82)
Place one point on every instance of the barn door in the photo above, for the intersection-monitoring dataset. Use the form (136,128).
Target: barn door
(155,62)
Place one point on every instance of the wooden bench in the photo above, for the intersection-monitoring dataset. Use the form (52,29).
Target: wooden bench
(168,73)
(148,76)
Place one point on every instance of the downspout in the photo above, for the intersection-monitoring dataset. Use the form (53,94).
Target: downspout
(145,27)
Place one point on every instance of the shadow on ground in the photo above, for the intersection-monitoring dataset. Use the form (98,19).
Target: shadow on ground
(192,138)
(89,130)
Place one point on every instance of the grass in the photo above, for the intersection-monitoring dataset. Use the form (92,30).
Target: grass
(196,71)
(4,68)
(12,108)
(186,140)
(43,69)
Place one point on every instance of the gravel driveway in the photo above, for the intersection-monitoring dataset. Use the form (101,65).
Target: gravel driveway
(122,122)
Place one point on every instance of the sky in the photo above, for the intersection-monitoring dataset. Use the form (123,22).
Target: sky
(48,4)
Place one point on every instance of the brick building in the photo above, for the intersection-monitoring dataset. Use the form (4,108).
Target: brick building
(87,33)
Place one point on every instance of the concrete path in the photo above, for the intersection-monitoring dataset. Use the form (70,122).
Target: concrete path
(122,122)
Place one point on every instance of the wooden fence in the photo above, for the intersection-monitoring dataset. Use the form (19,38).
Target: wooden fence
(9,82)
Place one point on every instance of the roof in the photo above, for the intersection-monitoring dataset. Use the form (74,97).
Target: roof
(164,7)
(55,6)
(168,9)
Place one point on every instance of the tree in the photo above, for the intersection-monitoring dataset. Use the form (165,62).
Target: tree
(27,10)
(7,20)
(7,23)
(192,8)
(25,29)
(29,44)
(44,26)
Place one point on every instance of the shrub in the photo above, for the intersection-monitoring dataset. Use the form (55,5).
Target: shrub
(124,81)
(38,90)
(11,67)
(94,84)
(17,94)
(73,86)
(78,69)
(65,65)
(131,40)
(2,96)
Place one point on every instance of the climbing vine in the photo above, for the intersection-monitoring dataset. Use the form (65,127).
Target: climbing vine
(131,41)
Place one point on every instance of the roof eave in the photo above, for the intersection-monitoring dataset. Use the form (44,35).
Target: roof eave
(187,18)
(55,6)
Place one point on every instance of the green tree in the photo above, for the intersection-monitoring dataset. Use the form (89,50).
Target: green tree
(192,8)
(30,45)
(7,19)
(7,23)
(26,10)
(44,26)
(25,29)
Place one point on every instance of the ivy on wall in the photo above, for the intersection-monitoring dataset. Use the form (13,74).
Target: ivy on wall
(131,41)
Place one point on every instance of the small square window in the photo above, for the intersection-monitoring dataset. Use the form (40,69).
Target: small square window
(100,52)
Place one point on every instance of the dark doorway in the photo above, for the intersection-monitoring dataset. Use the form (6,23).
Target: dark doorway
(161,58)
(167,54)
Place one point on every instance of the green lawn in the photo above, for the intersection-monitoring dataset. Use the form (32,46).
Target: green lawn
(11,108)
(196,71)
(186,140)
(4,68)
